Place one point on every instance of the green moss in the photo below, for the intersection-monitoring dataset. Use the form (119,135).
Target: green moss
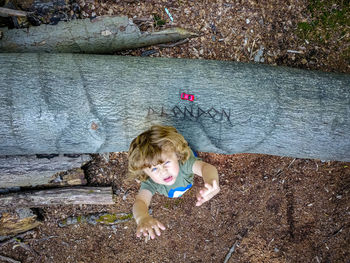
(113,218)
(79,219)
(125,217)
(158,21)
(330,20)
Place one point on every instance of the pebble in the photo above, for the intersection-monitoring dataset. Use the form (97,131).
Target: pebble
(247,21)
(258,57)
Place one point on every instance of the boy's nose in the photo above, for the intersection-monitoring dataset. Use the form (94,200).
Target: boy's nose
(163,170)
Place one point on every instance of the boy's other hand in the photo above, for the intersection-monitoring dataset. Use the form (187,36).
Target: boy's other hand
(149,226)
(207,193)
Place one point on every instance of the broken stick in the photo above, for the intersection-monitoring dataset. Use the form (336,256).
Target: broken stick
(62,196)
(5,12)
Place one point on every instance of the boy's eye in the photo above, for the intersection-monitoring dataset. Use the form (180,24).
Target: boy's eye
(154,169)
(167,162)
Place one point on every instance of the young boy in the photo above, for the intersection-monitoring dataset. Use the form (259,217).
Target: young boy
(162,160)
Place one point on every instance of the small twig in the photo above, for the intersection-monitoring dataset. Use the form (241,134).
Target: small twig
(11,12)
(291,163)
(295,51)
(174,44)
(251,51)
(7,259)
(232,249)
(13,238)
(147,238)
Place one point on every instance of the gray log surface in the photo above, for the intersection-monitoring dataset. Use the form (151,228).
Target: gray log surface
(66,103)
(29,170)
(102,35)
(60,196)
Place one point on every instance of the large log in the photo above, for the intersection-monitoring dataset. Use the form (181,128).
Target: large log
(66,103)
(102,35)
(32,170)
(60,196)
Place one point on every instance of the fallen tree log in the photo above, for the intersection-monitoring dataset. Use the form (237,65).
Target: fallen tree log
(60,196)
(66,103)
(50,170)
(102,35)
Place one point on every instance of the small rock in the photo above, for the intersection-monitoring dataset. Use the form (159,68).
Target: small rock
(247,21)
(259,54)
(303,61)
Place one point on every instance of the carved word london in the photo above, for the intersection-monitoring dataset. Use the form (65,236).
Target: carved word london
(193,114)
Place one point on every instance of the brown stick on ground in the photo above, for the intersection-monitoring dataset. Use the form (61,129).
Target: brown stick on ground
(11,12)
(62,196)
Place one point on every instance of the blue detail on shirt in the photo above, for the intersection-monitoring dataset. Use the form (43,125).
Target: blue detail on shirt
(179,191)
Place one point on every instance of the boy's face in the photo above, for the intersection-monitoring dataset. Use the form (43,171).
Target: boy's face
(167,172)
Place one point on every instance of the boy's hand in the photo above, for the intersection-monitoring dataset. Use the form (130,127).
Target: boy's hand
(207,193)
(148,225)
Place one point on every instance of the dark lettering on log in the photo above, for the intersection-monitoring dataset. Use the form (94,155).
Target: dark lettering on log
(189,113)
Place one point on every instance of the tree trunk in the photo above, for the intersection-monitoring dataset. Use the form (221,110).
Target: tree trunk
(60,196)
(49,170)
(102,35)
(64,103)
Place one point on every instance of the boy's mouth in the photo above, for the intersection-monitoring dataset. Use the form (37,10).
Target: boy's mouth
(168,179)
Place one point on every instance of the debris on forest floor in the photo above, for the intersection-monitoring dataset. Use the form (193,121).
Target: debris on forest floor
(97,218)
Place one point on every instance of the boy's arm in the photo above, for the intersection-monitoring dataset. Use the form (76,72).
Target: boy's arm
(211,181)
(141,204)
(146,224)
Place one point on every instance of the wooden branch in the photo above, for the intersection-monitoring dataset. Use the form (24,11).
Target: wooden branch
(13,223)
(174,44)
(11,12)
(61,196)
(47,170)
(8,260)
(102,35)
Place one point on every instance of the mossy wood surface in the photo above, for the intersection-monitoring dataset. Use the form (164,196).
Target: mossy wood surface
(61,196)
(65,103)
(102,35)
(15,222)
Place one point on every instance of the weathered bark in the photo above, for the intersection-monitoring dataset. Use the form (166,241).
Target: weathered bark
(60,196)
(102,35)
(21,220)
(32,170)
(86,103)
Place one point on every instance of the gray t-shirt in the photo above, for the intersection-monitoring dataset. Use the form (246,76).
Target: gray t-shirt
(183,181)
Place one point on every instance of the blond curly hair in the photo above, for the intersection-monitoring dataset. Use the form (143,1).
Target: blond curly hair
(146,149)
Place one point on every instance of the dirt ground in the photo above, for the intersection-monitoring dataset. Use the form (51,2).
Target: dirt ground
(270,208)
